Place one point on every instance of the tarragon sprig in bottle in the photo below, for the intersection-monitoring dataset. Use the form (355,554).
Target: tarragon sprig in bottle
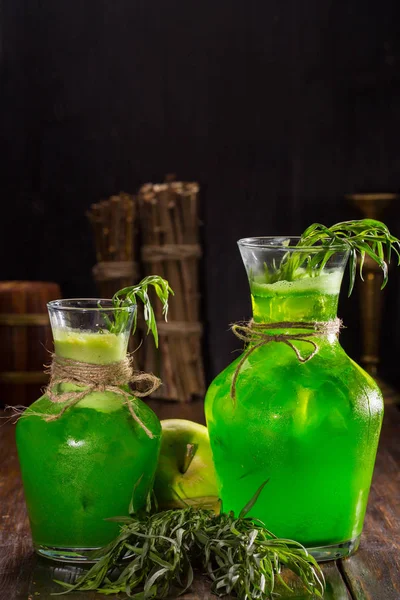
(129,296)
(365,237)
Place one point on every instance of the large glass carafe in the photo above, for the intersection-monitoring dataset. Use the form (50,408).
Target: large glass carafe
(93,461)
(308,422)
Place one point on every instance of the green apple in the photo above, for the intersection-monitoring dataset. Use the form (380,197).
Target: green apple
(185,474)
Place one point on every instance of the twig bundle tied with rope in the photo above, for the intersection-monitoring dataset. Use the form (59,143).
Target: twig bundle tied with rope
(168,214)
(113,225)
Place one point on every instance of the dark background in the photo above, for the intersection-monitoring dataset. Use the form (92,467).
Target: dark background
(278,108)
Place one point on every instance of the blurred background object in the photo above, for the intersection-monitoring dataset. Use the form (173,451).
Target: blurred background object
(170,248)
(113,226)
(114,236)
(25,339)
(372,297)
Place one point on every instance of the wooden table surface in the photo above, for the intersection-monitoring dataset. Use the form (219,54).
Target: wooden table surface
(373,573)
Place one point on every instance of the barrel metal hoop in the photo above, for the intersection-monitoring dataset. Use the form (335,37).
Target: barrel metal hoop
(23,320)
(23,377)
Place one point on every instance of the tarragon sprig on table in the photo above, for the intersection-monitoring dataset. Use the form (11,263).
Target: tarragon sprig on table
(155,555)
(359,238)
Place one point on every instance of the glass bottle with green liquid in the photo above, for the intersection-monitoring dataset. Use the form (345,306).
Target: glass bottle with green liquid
(87,461)
(294,409)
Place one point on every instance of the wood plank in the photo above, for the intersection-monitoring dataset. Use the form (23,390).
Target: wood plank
(24,575)
(42,574)
(335,586)
(42,585)
(15,538)
(373,572)
(168,409)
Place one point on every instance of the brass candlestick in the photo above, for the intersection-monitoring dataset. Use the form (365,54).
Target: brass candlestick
(372,206)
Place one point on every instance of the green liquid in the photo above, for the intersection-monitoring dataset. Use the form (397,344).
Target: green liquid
(97,348)
(81,469)
(311,429)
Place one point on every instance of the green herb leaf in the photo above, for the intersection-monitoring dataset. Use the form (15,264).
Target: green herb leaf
(130,296)
(155,554)
(246,509)
(359,238)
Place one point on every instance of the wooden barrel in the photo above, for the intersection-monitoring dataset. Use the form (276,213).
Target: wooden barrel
(25,339)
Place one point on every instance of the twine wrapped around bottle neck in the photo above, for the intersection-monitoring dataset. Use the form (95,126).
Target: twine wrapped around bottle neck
(257,335)
(97,378)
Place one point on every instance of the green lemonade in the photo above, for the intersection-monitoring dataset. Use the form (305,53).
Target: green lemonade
(98,348)
(82,468)
(311,429)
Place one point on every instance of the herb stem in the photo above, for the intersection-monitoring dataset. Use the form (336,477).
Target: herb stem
(130,296)
(159,552)
(365,237)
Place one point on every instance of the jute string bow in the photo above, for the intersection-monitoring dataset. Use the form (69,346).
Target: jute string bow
(96,378)
(257,335)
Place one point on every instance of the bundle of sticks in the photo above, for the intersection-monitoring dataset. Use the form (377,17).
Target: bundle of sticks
(114,229)
(113,224)
(168,215)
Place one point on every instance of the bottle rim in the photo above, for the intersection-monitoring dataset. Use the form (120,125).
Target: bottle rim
(87,305)
(286,242)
